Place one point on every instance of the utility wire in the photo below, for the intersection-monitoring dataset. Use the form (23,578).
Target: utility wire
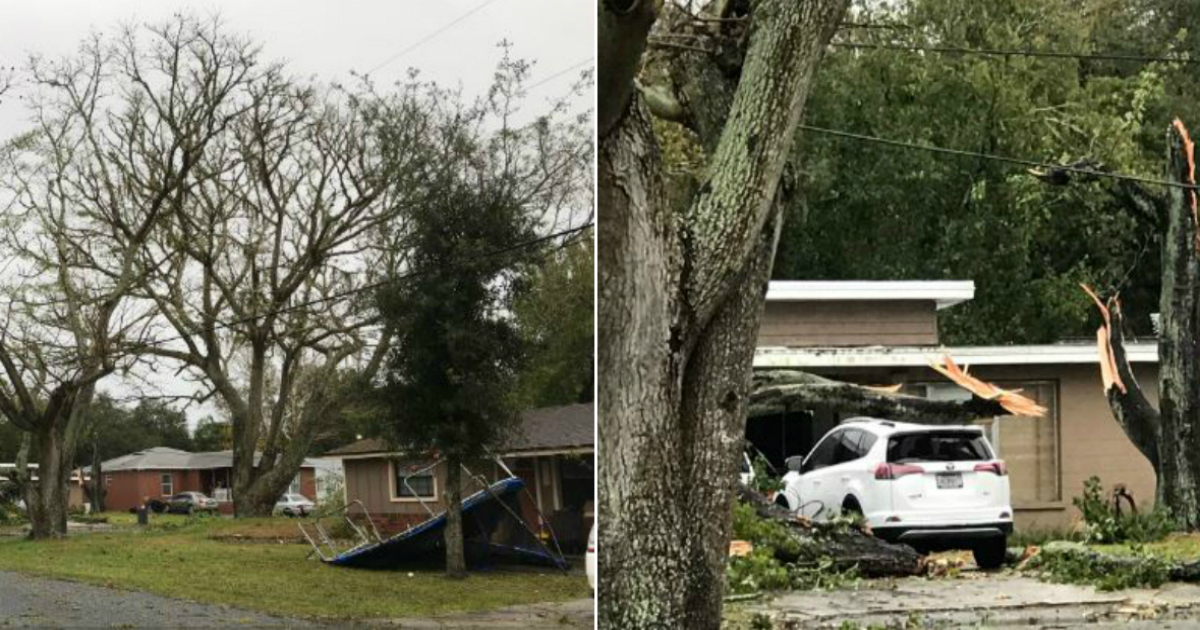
(996,158)
(1013,52)
(443,29)
(559,74)
(382,283)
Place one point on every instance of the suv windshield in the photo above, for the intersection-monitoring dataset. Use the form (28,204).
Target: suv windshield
(937,446)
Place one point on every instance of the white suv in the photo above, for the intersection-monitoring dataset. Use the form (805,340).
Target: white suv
(933,487)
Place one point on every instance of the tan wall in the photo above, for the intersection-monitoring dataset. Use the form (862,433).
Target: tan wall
(1090,442)
(852,323)
(368,480)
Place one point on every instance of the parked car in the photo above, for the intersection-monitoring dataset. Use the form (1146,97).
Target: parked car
(933,487)
(190,502)
(589,560)
(292,504)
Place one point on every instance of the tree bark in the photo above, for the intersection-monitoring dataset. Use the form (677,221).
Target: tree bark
(1169,437)
(46,498)
(456,562)
(98,489)
(681,291)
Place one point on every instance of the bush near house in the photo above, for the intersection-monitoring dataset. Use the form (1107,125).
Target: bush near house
(1103,524)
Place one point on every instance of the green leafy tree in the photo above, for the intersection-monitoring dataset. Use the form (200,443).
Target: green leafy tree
(212,435)
(555,317)
(451,373)
(875,212)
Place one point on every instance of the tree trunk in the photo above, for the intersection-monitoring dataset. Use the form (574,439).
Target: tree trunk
(1169,437)
(456,562)
(681,294)
(98,489)
(46,498)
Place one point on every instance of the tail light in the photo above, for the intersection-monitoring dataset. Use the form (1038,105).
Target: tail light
(996,467)
(896,471)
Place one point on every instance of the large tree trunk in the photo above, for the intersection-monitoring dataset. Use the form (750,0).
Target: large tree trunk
(681,290)
(1169,437)
(456,562)
(46,498)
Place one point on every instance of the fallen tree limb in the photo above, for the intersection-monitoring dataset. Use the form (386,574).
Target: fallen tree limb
(777,391)
(846,546)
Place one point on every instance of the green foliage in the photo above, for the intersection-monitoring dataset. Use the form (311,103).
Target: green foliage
(761,532)
(873,212)
(765,482)
(212,435)
(555,316)
(1107,573)
(1102,524)
(761,570)
(757,571)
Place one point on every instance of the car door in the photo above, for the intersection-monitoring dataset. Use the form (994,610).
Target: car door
(815,477)
(851,472)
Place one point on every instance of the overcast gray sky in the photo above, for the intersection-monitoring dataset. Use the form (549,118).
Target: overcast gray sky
(326,40)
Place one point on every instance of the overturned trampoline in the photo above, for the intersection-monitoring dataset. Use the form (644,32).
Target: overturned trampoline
(494,533)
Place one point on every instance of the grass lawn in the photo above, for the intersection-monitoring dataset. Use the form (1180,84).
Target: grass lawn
(1173,547)
(196,560)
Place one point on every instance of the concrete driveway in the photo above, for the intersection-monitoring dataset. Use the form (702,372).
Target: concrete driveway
(983,600)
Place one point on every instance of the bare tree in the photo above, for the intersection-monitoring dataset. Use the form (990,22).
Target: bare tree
(683,270)
(119,129)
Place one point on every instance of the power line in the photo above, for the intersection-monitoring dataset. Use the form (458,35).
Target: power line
(1011,52)
(432,35)
(382,283)
(559,73)
(996,158)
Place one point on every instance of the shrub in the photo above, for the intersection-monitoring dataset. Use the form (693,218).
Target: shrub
(1102,523)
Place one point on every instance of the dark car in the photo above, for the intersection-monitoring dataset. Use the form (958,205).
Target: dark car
(190,502)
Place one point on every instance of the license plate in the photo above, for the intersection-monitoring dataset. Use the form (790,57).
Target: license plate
(949,481)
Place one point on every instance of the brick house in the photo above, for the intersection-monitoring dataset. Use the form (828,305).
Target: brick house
(160,472)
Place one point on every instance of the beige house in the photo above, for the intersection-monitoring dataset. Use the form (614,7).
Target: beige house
(883,333)
(554,453)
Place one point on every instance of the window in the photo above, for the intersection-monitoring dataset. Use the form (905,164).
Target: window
(166,487)
(294,488)
(937,446)
(1028,445)
(823,454)
(847,447)
(108,480)
(413,482)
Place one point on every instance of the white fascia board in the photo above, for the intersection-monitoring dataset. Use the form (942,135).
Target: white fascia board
(879,356)
(944,293)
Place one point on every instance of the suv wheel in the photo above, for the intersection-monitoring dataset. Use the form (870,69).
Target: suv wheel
(850,507)
(989,554)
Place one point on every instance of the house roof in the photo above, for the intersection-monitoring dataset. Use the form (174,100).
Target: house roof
(944,293)
(919,356)
(542,430)
(163,458)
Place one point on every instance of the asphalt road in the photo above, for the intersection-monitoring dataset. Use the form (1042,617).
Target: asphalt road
(37,602)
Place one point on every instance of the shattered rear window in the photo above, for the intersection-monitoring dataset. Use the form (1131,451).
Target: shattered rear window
(937,446)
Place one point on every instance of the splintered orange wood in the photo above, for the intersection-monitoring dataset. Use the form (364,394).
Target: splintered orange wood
(887,389)
(1011,401)
(1188,148)
(1110,376)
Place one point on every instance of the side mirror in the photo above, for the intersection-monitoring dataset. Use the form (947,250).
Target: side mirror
(795,462)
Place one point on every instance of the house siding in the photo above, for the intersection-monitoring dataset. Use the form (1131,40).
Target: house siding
(849,323)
